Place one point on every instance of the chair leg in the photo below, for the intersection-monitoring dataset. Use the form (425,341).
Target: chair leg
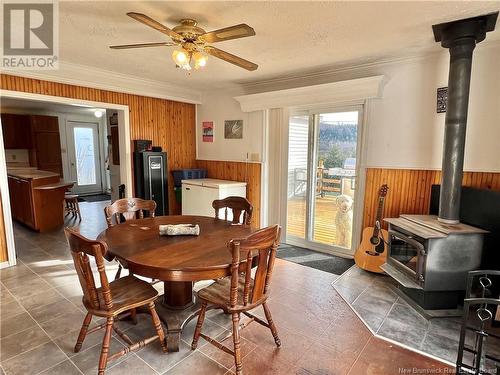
(83,332)
(199,324)
(158,327)
(133,316)
(78,209)
(118,272)
(236,341)
(272,326)
(103,359)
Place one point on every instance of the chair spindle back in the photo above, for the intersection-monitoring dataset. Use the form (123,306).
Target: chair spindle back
(237,205)
(130,208)
(81,248)
(265,242)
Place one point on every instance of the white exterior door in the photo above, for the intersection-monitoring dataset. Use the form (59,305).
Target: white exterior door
(84,157)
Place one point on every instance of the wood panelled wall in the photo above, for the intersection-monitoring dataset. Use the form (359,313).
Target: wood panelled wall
(168,124)
(237,171)
(410,190)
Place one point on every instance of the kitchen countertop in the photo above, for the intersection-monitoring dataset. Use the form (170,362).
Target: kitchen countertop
(56,185)
(30,173)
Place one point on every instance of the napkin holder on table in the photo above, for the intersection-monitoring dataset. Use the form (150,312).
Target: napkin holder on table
(179,230)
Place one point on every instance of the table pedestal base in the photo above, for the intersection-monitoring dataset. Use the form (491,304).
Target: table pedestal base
(178,295)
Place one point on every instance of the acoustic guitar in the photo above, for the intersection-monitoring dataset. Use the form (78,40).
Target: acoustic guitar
(372,251)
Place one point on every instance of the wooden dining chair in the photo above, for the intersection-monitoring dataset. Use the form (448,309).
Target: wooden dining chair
(129,209)
(110,299)
(237,205)
(239,292)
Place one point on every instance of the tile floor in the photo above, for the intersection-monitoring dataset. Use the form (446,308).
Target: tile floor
(374,298)
(42,313)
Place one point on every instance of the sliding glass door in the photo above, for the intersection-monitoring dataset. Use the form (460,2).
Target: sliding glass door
(323,148)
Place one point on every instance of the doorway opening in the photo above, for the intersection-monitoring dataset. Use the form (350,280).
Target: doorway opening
(45,134)
(323,150)
(84,157)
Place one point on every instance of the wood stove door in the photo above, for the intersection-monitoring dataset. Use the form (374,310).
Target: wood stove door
(407,254)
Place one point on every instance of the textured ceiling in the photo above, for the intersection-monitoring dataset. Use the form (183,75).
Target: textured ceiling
(293,38)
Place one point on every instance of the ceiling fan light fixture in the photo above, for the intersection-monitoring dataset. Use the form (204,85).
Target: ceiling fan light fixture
(200,60)
(191,41)
(180,57)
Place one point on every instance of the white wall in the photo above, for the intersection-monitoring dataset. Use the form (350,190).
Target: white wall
(219,106)
(403,128)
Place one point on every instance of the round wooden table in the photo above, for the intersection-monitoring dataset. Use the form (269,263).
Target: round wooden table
(178,261)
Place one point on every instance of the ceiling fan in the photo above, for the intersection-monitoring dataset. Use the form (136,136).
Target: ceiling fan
(193,42)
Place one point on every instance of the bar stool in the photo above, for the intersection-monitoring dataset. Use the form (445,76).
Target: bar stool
(71,205)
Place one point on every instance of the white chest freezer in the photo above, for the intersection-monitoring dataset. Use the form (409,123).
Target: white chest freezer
(198,195)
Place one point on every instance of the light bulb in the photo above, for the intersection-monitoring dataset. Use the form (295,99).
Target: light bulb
(180,57)
(200,60)
(98,113)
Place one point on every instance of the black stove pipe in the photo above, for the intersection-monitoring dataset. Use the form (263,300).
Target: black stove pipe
(460,37)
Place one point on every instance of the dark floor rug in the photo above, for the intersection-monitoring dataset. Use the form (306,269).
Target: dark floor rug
(320,261)
(95,198)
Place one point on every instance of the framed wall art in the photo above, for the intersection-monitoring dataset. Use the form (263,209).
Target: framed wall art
(233,129)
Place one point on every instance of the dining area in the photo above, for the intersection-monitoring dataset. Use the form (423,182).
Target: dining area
(118,295)
(176,251)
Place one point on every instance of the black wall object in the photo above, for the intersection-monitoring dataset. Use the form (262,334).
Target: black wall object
(141,145)
(150,179)
(442,99)
(479,208)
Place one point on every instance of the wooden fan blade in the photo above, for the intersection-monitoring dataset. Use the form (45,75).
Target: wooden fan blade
(227,33)
(226,56)
(148,21)
(142,45)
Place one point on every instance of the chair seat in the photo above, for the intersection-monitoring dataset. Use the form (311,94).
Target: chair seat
(128,292)
(218,292)
(70,196)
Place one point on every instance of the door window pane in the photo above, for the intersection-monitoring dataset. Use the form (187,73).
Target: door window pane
(297,175)
(85,157)
(335,178)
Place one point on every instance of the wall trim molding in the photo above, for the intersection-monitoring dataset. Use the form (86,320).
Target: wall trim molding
(329,74)
(231,161)
(82,75)
(326,93)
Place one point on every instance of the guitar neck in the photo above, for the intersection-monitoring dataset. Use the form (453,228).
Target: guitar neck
(378,219)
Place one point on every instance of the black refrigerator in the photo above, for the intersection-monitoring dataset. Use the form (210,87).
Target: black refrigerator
(151,179)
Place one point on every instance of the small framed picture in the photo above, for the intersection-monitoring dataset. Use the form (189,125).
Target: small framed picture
(208,131)
(442,99)
(233,129)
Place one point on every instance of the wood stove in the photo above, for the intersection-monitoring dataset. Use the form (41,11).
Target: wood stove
(429,256)
(430,260)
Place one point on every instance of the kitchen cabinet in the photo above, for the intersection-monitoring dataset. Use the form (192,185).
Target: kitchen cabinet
(46,151)
(36,198)
(21,200)
(16,131)
(38,134)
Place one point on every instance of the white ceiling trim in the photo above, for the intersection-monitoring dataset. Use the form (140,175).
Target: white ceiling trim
(81,75)
(327,93)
